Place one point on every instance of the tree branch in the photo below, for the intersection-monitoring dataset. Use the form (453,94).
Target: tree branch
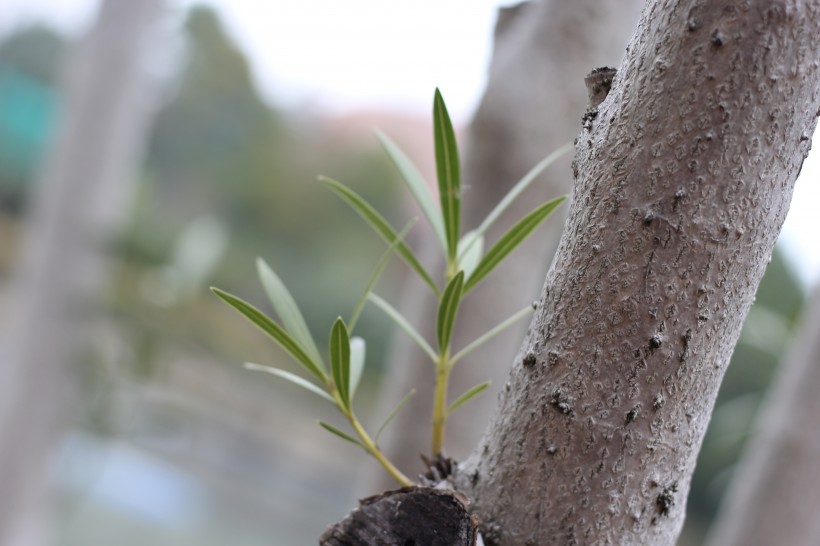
(683,179)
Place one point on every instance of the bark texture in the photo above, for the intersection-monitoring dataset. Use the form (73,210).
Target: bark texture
(532,105)
(775,493)
(81,198)
(683,178)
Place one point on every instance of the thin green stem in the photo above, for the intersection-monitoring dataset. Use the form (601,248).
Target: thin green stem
(369,445)
(377,454)
(443,369)
(452,269)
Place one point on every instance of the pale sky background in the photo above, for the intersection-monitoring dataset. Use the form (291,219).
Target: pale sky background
(340,56)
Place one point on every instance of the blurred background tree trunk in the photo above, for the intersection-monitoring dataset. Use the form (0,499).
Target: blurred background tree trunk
(774,497)
(533,104)
(80,201)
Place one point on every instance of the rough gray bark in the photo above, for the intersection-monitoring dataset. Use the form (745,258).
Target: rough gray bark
(683,178)
(532,106)
(775,493)
(80,199)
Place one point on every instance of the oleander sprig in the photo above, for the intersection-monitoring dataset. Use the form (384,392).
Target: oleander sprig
(466,265)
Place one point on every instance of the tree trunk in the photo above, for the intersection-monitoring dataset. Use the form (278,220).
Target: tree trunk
(683,178)
(81,197)
(532,106)
(775,494)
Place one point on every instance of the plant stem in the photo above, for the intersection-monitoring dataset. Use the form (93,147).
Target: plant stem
(369,445)
(451,270)
(440,402)
(377,454)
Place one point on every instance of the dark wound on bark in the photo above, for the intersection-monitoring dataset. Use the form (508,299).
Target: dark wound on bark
(529,360)
(411,516)
(598,83)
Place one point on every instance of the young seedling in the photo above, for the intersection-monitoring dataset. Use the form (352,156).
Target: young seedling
(466,266)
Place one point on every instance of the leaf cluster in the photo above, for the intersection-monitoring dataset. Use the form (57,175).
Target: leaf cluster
(466,266)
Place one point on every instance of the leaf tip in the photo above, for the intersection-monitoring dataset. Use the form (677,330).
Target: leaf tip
(261,265)
(218,291)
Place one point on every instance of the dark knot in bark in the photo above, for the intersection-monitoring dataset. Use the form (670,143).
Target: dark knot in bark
(598,83)
(419,516)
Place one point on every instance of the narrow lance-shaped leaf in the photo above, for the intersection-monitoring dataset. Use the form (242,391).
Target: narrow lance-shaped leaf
(417,185)
(516,190)
(275,331)
(393,413)
(340,359)
(358,351)
(447,310)
(448,169)
(285,306)
(510,240)
(467,396)
(403,324)
(341,434)
(379,225)
(382,263)
(494,331)
(293,378)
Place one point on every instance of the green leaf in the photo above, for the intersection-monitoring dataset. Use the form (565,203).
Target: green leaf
(403,324)
(358,350)
(377,273)
(379,225)
(286,308)
(341,434)
(510,240)
(293,378)
(519,187)
(417,185)
(275,331)
(467,396)
(491,334)
(449,173)
(393,413)
(447,309)
(340,360)
(468,260)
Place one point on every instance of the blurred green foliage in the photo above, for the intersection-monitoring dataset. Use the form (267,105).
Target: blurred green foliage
(219,150)
(227,177)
